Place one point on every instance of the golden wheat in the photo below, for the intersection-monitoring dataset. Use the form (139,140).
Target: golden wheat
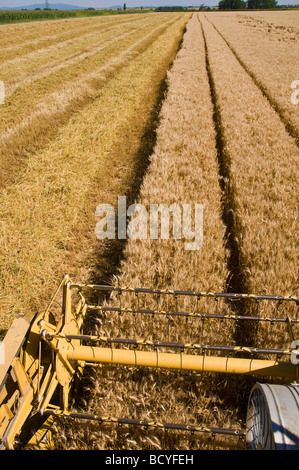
(183,169)
(94,116)
(47,216)
(35,110)
(263,164)
(14,45)
(270,53)
(29,33)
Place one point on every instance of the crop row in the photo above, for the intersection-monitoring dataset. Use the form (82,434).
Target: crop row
(184,170)
(13,16)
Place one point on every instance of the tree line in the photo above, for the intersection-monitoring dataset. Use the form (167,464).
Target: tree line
(250,4)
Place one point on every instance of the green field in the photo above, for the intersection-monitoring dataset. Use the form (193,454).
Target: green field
(14,16)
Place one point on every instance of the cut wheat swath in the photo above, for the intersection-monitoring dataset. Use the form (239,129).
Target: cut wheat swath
(47,216)
(31,39)
(34,111)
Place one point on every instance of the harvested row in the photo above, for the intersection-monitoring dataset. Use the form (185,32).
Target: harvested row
(14,48)
(47,78)
(34,112)
(46,59)
(28,33)
(262,163)
(269,54)
(47,216)
(183,169)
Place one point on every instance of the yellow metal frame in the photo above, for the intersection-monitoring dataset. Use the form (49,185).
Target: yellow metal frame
(183,362)
(43,355)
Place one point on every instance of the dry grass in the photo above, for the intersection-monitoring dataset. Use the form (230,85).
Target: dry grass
(26,68)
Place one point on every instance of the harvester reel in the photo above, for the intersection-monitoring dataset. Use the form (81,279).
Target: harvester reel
(44,357)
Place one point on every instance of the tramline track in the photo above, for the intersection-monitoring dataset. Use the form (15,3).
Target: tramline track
(44,358)
(290,128)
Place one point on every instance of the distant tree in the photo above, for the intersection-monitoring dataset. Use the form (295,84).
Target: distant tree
(125,6)
(261,4)
(231,5)
(174,8)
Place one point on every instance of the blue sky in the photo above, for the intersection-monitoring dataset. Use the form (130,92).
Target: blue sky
(106,3)
(130,3)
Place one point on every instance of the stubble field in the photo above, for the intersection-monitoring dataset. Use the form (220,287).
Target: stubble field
(80,127)
(76,108)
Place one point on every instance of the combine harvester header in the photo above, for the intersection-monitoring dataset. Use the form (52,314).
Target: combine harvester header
(44,357)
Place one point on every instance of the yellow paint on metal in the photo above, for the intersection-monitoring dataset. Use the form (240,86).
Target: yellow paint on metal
(13,342)
(41,356)
(42,439)
(198,363)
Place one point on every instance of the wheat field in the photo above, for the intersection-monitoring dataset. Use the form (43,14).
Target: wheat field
(260,158)
(163,108)
(95,110)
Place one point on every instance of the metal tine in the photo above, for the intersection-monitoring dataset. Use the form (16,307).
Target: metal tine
(176,322)
(202,331)
(120,312)
(174,301)
(278,304)
(256,310)
(153,317)
(138,303)
(221,320)
(163,305)
(168,318)
(197,299)
(137,297)
(202,328)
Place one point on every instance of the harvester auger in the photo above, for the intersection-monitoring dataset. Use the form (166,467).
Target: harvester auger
(42,358)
